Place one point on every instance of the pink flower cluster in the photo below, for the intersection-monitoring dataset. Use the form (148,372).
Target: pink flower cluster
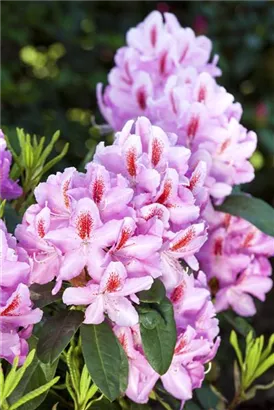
(197,329)
(9,189)
(164,74)
(235,261)
(109,232)
(16,314)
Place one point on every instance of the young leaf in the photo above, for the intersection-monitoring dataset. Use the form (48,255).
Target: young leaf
(102,354)
(159,342)
(254,210)
(36,375)
(57,333)
(264,366)
(41,295)
(33,394)
(235,345)
(155,294)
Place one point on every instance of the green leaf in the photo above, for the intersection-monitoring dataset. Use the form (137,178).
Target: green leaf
(41,295)
(103,404)
(33,394)
(149,317)
(268,349)
(137,406)
(207,397)
(123,375)
(36,375)
(234,342)
(103,357)
(159,342)
(254,210)
(155,294)
(240,324)
(190,405)
(264,366)
(57,333)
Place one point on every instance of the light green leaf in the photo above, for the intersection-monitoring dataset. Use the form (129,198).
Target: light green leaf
(264,366)
(33,394)
(268,349)
(234,342)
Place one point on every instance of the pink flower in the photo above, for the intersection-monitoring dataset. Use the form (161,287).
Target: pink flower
(16,314)
(235,261)
(9,189)
(165,190)
(109,296)
(164,74)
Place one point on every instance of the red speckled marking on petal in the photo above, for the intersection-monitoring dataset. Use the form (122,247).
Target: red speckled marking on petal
(11,307)
(248,239)
(224,146)
(125,235)
(227,220)
(154,211)
(131,158)
(153,36)
(142,98)
(181,345)
(218,246)
(157,151)
(178,293)
(202,93)
(84,225)
(193,126)
(41,228)
(98,189)
(184,240)
(65,194)
(165,195)
(113,283)
(194,180)
(163,61)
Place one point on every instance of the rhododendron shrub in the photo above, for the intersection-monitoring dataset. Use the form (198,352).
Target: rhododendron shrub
(133,260)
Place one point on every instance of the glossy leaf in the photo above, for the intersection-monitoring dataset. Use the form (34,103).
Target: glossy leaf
(104,359)
(159,342)
(57,333)
(41,295)
(155,294)
(254,210)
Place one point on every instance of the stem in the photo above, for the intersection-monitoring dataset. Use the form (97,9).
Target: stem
(235,402)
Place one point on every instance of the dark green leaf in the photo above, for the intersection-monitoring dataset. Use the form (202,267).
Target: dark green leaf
(155,294)
(190,405)
(104,359)
(207,397)
(57,333)
(41,295)
(11,218)
(104,404)
(254,210)
(149,317)
(137,406)
(240,324)
(159,342)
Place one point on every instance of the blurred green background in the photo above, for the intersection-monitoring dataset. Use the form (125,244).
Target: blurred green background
(55,52)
